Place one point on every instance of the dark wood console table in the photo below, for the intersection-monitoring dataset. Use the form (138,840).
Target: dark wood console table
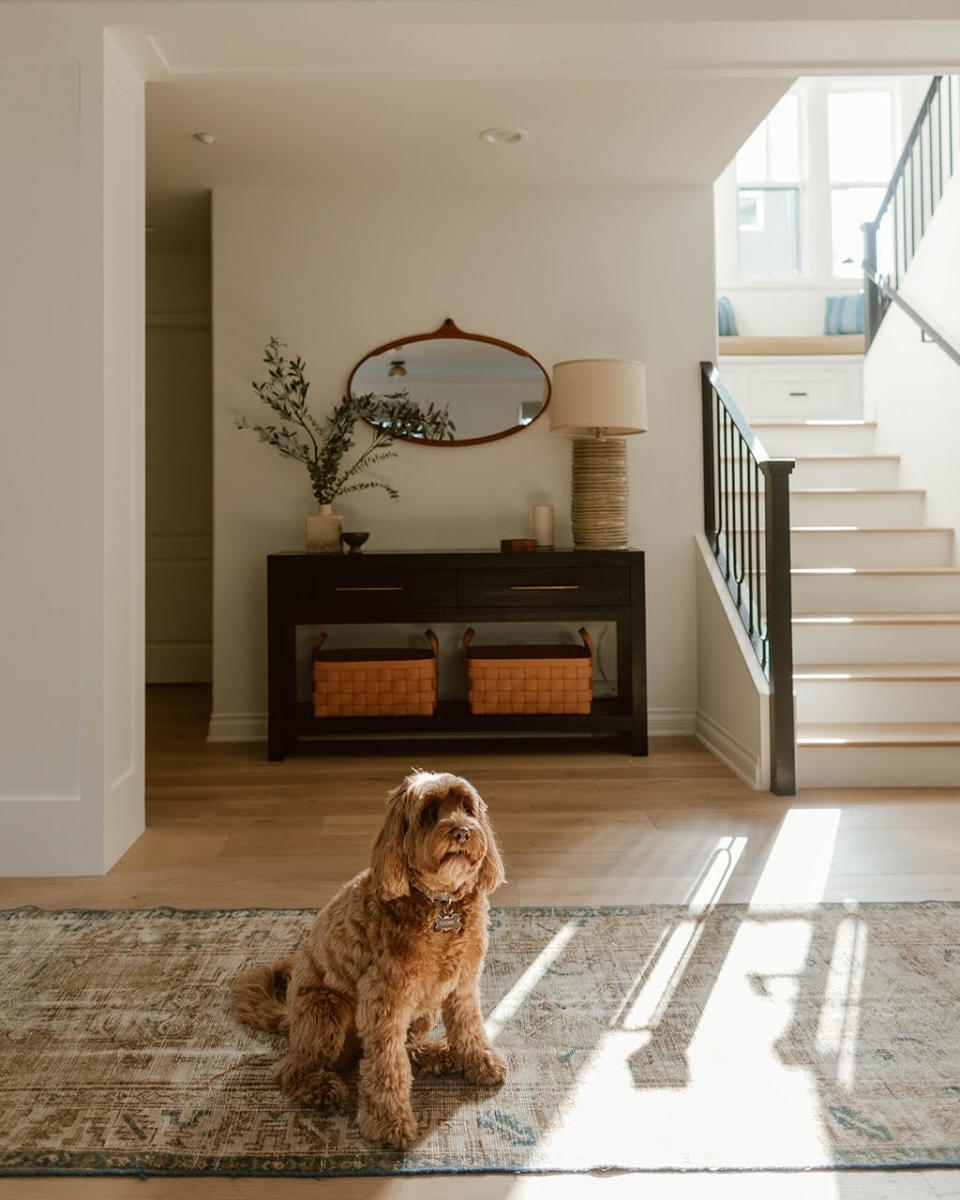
(460,587)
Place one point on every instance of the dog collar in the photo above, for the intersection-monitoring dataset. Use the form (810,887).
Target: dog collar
(447,920)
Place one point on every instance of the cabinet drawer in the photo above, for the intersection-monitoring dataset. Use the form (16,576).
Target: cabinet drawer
(798,392)
(367,589)
(542,588)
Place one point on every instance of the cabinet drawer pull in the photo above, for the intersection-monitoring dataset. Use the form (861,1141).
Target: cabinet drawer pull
(796,393)
(544,587)
(394,588)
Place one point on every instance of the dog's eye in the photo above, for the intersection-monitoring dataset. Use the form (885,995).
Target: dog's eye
(430,813)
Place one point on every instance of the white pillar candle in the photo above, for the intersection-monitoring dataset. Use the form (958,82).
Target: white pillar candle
(541,522)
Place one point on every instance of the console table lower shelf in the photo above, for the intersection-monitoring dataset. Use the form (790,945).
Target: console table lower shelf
(454,716)
(460,588)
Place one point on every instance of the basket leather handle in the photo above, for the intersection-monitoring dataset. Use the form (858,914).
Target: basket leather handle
(468,637)
(587,640)
(318,642)
(433,640)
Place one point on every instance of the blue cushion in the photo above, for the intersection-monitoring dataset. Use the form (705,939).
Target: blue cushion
(844,313)
(726,321)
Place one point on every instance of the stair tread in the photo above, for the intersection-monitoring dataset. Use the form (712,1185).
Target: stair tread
(870,458)
(850,491)
(852,422)
(884,529)
(896,618)
(954,570)
(880,734)
(926,672)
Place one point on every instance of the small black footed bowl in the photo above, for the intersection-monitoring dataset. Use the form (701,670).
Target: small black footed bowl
(354,540)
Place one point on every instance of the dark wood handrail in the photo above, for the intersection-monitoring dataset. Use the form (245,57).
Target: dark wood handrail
(733,462)
(933,334)
(714,378)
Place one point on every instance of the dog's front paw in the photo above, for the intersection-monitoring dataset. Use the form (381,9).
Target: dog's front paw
(487,1068)
(435,1058)
(398,1130)
(316,1086)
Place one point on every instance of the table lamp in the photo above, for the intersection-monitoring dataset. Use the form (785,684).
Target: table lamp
(599,400)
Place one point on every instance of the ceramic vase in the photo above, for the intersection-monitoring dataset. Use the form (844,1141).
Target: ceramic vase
(323,531)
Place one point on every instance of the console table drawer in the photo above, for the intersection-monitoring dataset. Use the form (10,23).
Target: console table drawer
(364,590)
(543,587)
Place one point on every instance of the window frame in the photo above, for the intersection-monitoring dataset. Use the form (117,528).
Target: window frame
(815,188)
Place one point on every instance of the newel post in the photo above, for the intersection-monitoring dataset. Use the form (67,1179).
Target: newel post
(709,455)
(871,306)
(779,606)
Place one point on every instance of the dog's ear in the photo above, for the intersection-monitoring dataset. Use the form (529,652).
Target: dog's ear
(492,872)
(388,862)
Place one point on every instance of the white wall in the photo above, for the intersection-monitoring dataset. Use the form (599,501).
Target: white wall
(71,220)
(911,387)
(563,273)
(179,466)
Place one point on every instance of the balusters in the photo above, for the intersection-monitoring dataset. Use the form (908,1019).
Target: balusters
(924,169)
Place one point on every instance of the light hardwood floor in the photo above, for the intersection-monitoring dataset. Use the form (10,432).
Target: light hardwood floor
(225,828)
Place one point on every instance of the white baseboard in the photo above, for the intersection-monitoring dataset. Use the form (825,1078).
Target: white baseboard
(237,727)
(744,762)
(252,727)
(671,722)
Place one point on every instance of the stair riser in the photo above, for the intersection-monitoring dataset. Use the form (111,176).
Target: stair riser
(862,548)
(876,643)
(790,440)
(870,510)
(875,593)
(878,766)
(854,473)
(862,701)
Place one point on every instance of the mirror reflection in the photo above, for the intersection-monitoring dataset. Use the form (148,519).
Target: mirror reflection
(490,389)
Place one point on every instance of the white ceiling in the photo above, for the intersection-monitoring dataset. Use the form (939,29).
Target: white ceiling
(307,101)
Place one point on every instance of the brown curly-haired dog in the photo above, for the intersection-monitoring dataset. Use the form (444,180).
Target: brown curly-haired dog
(402,940)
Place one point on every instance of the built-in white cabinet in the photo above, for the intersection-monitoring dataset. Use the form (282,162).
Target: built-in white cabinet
(796,386)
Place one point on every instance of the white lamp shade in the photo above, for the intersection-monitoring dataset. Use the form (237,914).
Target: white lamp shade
(598,393)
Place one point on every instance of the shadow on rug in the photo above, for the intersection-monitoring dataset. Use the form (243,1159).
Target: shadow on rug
(638,1038)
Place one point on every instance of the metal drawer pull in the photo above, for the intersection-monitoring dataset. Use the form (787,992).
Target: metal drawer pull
(369,589)
(796,393)
(544,587)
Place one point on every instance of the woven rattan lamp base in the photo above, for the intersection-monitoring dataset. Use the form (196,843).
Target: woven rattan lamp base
(599,495)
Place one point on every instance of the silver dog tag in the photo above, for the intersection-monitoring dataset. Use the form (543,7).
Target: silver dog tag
(448,920)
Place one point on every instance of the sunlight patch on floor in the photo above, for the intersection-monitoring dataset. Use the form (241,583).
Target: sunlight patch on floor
(798,865)
(696,1062)
(664,968)
(839,1022)
(528,981)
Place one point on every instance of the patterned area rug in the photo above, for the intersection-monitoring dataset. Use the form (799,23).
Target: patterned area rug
(638,1038)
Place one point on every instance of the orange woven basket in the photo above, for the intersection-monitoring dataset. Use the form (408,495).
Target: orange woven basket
(375,683)
(529,679)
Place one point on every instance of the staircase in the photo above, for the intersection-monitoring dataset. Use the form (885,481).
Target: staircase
(876,615)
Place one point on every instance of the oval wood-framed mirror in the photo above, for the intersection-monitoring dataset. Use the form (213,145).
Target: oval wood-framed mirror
(490,387)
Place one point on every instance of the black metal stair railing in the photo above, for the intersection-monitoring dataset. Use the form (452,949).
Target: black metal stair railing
(746,517)
(928,162)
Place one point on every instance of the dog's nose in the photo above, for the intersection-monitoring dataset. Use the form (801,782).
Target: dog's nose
(461,834)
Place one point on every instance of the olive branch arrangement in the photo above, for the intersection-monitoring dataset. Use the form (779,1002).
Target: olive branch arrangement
(321,446)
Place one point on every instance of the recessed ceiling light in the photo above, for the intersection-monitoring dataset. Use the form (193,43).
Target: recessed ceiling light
(503,137)
(205,139)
